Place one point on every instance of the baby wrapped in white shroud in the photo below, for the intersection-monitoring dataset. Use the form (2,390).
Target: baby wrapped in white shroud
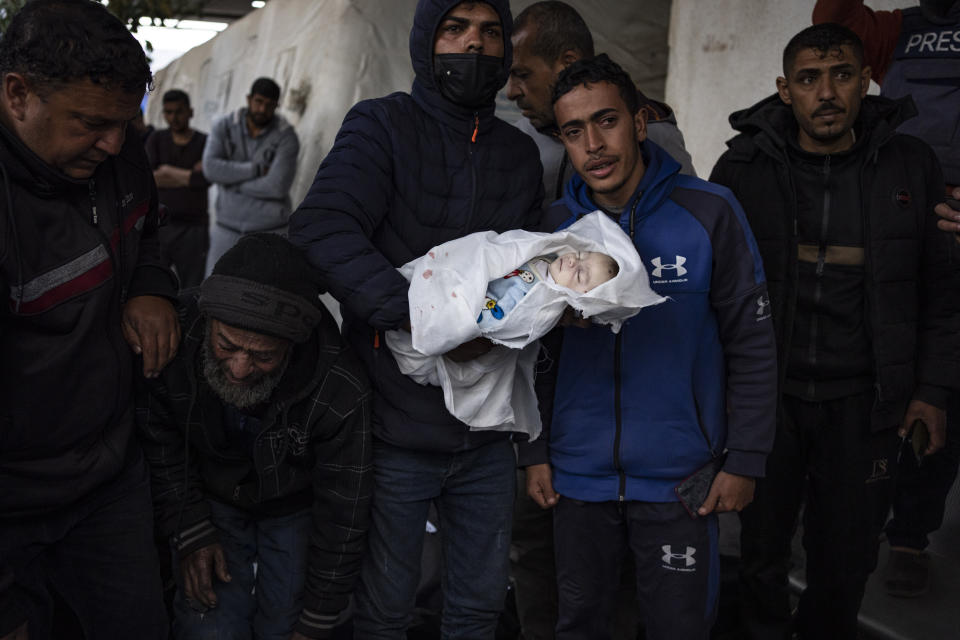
(448,294)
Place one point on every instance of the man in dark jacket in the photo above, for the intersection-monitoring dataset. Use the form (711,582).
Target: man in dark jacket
(80,270)
(916,52)
(842,208)
(406,173)
(258,438)
(682,385)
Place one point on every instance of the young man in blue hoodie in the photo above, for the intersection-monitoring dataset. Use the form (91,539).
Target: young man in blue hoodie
(682,384)
(408,172)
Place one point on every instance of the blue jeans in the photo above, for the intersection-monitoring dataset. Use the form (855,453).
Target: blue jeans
(473,491)
(260,602)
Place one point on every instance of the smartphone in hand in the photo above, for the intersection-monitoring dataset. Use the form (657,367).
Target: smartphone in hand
(919,439)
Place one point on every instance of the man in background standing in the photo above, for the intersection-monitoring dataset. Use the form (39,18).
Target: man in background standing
(549,37)
(175,156)
(915,51)
(251,155)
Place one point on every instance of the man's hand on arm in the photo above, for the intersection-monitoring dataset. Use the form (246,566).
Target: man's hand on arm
(540,485)
(152,329)
(198,569)
(573,318)
(729,492)
(170,177)
(469,350)
(950,217)
(934,418)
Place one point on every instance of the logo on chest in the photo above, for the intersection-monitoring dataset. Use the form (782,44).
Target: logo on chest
(669,272)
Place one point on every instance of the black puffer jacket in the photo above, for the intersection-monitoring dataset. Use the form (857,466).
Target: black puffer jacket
(314,451)
(406,173)
(911,271)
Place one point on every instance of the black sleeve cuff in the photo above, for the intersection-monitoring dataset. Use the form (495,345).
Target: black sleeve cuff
(149,280)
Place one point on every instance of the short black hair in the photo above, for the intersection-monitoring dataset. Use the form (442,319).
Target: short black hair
(558,28)
(824,38)
(593,70)
(176,95)
(265,87)
(53,42)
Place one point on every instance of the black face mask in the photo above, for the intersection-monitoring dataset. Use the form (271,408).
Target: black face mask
(468,79)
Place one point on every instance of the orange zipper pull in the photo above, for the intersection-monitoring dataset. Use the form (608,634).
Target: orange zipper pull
(476,128)
(376,339)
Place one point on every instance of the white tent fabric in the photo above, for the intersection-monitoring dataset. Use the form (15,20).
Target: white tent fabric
(328,55)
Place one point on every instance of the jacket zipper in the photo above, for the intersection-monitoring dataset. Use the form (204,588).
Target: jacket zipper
(818,284)
(473,169)
(618,416)
(617,384)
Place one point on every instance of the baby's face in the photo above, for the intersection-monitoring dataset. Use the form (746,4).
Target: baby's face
(582,271)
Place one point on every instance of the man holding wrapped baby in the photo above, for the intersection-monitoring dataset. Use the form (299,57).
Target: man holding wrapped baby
(680,383)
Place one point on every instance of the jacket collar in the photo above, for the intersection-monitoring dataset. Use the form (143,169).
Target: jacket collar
(766,124)
(26,168)
(655,186)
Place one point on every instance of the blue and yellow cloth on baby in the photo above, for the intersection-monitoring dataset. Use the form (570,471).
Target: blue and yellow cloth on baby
(503,294)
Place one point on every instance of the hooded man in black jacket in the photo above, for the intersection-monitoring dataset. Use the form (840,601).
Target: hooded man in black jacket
(406,173)
(81,276)
(861,287)
(258,438)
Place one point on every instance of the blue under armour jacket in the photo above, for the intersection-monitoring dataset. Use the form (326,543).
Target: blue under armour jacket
(408,172)
(636,412)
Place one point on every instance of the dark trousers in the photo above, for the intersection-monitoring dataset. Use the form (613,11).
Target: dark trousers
(185,248)
(921,491)
(535,575)
(98,554)
(677,568)
(826,455)
(531,565)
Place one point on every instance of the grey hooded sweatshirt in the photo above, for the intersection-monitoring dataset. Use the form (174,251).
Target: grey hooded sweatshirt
(253,175)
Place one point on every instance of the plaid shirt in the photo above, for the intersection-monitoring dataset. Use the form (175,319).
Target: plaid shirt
(314,449)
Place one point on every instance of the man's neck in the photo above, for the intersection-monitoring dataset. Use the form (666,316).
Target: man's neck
(182,138)
(839,145)
(253,129)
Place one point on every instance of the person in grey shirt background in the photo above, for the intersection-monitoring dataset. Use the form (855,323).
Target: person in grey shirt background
(251,155)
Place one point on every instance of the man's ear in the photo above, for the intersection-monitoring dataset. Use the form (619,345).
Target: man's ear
(640,122)
(784,90)
(865,74)
(567,58)
(16,90)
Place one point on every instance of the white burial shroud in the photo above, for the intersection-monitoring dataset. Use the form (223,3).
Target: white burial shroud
(448,290)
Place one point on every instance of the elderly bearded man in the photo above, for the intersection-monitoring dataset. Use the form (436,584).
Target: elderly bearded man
(258,437)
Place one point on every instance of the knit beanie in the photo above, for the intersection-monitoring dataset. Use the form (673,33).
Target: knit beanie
(264,284)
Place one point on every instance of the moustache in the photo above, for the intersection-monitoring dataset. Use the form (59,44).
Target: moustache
(828,107)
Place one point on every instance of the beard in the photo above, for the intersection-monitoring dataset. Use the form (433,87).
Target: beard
(240,396)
